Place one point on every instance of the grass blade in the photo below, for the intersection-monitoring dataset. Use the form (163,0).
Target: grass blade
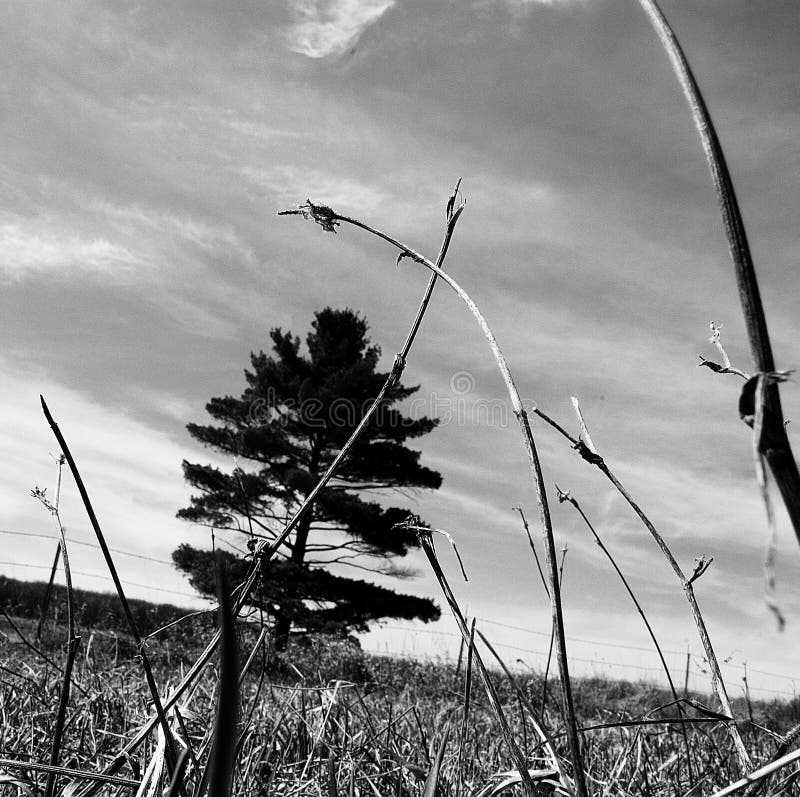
(223,751)
(562,496)
(177,777)
(432,781)
(491,692)
(170,749)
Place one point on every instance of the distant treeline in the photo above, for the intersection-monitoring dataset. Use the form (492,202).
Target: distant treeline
(100,610)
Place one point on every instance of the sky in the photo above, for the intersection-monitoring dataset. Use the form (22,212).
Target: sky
(146,150)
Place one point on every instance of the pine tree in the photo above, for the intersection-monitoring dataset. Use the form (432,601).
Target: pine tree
(294,415)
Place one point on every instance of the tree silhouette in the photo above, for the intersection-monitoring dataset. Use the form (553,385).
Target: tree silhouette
(290,422)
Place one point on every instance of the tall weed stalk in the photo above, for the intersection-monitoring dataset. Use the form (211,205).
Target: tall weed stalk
(171,756)
(329,219)
(585,447)
(73,639)
(265,550)
(779,453)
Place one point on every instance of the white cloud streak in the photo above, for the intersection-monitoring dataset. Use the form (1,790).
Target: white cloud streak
(520,6)
(132,473)
(329,27)
(24,251)
(291,185)
(151,223)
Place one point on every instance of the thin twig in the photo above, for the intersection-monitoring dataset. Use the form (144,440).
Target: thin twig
(726,367)
(533,549)
(73,640)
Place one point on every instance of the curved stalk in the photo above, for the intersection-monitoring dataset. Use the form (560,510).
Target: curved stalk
(329,219)
(265,550)
(779,454)
(562,496)
(587,450)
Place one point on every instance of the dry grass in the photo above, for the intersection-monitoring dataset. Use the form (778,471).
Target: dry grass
(327,713)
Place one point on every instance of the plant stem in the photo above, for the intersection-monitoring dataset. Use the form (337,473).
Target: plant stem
(49,590)
(538,725)
(779,456)
(716,673)
(266,550)
(491,693)
(151,683)
(394,377)
(589,453)
(326,217)
(222,759)
(569,498)
(73,642)
(462,736)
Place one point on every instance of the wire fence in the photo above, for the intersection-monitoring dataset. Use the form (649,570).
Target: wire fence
(152,588)
(686,669)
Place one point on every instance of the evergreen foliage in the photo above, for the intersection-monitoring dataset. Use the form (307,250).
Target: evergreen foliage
(296,412)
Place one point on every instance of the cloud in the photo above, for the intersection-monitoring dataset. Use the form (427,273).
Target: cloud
(23,251)
(132,472)
(146,222)
(294,184)
(329,27)
(522,6)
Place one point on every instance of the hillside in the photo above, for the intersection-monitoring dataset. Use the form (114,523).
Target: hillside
(95,610)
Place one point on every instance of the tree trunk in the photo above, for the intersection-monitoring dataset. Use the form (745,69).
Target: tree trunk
(282,627)
(283,618)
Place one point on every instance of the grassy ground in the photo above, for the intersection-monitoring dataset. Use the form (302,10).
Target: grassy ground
(326,718)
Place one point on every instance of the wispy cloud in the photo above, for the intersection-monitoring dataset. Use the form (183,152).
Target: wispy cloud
(132,472)
(291,184)
(149,222)
(23,251)
(521,6)
(329,27)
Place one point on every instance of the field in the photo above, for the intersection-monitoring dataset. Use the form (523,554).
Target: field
(118,697)
(327,719)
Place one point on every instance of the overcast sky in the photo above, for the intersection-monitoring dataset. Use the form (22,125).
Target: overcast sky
(147,148)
